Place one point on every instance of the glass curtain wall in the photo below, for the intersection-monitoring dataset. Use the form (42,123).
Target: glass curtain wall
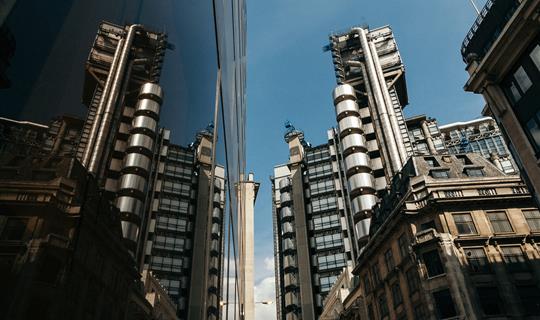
(44,46)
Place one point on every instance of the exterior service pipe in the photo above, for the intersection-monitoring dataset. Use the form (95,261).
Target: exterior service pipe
(112,100)
(394,158)
(101,106)
(389,105)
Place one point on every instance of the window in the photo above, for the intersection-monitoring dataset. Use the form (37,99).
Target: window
(325,222)
(417,134)
(320,170)
(389,259)
(167,263)
(535,56)
(171,223)
(323,203)
(332,261)
(490,300)
(13,229)
(383,305)
(533,219)
(396,295)
(474,172)
(522,79)
(367,284)
(375,273)
(326,283)
(514,258)
(173,205)
(444,304)
(431,162)
(440,174)
(421,146)
(403,244)
(534,131)
(499,222)
(439,144)
(507,166)
(167,242)
(413,281)
(477,260)
(464,223)
(433,263)
(321,186)
(530,297)
(328,241)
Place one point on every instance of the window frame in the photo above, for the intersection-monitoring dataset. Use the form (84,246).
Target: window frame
(471,221)
(488,216)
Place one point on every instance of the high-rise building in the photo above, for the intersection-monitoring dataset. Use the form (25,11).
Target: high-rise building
(502,53)
(324,195)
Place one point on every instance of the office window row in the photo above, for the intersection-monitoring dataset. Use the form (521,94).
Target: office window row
(321,186)
(498,220)
(323,203)
(332,261)
(317,155)
(176,187)
(177,171)
(328,241)
(172,223)
(173,205)
(319,170)
(326,222)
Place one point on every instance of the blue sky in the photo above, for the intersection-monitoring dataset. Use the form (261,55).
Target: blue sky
(291,78)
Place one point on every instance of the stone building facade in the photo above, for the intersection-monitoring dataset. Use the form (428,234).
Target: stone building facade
(454,238)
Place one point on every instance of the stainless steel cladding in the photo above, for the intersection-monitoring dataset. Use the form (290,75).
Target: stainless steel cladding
(140,140)
(361,181)
(285,197)
(133,182)
(149,106)
(137,161)
(284,183)
(354,142)
(144,122)
(358,170)
(363,203)
(362,228)
(345,108)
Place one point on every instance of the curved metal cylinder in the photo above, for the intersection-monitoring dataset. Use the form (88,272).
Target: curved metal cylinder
(349,124)
(287,228)
(355,141)
(285,197)
(130,230)
(346,107)
(284,183)
(286,212)
(152,90)
(361,180)
(137,160)
(344,91)
(144,122)
(132,181)
(362,228)
(127,204)
(288,244)
(357,159)
(148,105)
(139,140)
(364,202)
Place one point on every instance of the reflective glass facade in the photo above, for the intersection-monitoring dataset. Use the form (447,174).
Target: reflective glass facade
(45,69)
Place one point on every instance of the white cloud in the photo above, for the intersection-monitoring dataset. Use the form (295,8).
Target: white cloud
(269,263)
(265,291)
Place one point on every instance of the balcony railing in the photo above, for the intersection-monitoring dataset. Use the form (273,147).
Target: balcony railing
(488,26)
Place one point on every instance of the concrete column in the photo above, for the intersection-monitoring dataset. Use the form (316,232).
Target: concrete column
(247,195)
(429,138)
